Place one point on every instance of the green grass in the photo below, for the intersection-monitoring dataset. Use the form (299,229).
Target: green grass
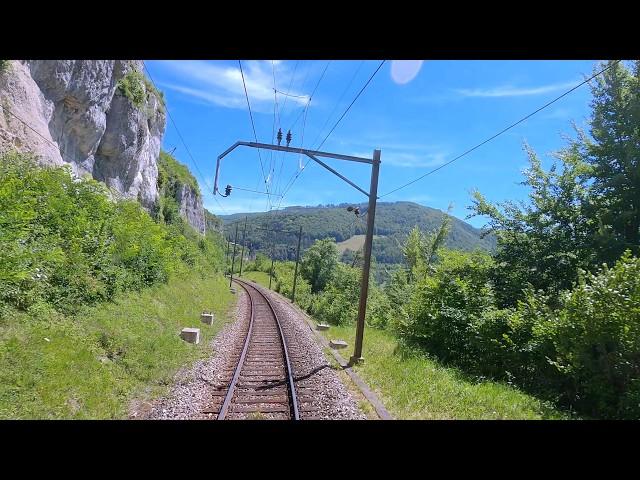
(412,386)
(93,364)
(260,278)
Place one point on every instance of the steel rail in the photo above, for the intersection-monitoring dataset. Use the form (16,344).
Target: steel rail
(236,374)
(291,386)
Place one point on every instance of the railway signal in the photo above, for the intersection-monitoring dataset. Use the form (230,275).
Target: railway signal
(372,194)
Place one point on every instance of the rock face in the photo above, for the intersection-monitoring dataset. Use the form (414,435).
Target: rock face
(191,207)
(72,112)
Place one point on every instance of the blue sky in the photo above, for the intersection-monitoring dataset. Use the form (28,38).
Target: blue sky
(419,114)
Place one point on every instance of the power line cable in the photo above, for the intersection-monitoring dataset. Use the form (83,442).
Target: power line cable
(501,131)
(351,104)
(338,101)
(255,136)
(336,124)
(204,179)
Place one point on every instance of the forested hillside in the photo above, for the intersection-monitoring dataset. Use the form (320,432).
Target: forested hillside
(394,220)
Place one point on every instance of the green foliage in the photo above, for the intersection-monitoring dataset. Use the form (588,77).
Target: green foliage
(132,86)
(445,303)
(596,335)
(4,65)
(614,156)
(261,263)
(283,273)
(64,243)
(172,175)
(338,302)
(318,263)
(136,87)
(413,386)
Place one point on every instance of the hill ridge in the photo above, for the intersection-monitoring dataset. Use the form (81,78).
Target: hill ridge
(393,221)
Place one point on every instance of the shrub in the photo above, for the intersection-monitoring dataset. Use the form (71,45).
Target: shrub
(64,243)
(596,335)
(445,304)
(132,86)
(136,87)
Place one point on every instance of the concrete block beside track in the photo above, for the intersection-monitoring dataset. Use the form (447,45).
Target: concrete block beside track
(207,317)
(191,335)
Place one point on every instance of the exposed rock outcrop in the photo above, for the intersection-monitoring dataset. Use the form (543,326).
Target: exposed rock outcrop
(191,207)
(72,112)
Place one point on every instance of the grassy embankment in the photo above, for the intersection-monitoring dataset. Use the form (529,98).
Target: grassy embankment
(412,386)
(92,364)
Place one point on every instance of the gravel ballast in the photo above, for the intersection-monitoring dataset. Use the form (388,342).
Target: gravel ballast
(314,376)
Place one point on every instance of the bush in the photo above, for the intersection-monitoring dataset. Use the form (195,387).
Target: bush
(596,335)
(64,243)
(445,304)
(136,87)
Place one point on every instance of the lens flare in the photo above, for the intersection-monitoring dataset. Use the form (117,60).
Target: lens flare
(403,71)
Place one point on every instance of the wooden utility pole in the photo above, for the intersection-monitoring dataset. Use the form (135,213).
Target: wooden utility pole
(242,254)
(226,257)
(272,259)
(295,274)
(235,243)
(368,242)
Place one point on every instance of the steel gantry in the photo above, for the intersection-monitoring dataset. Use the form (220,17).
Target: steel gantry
(373,196)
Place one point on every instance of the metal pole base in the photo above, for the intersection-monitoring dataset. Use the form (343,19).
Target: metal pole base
(356,360)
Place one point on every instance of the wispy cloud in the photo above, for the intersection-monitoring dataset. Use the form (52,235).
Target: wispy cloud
(221,85)
(240,206)
(511,91)
(409,155)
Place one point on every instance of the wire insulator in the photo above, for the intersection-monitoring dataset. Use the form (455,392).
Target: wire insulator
(279,136)
(288,138)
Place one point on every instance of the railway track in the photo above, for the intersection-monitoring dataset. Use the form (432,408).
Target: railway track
(258,382)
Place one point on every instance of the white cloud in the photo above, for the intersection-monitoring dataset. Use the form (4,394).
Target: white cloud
(511,91)
(221,85)
(409,155)
(240,206)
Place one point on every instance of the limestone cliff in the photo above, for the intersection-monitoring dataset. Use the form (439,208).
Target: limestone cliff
(75,112)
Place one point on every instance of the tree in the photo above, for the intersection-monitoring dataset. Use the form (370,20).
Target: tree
(615,157)
(542,243)
(319,262)
(583,211)
(420,249)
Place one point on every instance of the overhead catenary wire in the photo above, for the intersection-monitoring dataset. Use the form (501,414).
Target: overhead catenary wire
(284,104)
(8,110)
(335,106)
(305,110)
(175,126)
(501,131)
(351,104)
(253,126)
(336,124)
(195,163)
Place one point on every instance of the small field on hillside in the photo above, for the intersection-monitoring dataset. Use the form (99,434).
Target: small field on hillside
(93,364)
(354,243)
(412,386)
(260,278)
